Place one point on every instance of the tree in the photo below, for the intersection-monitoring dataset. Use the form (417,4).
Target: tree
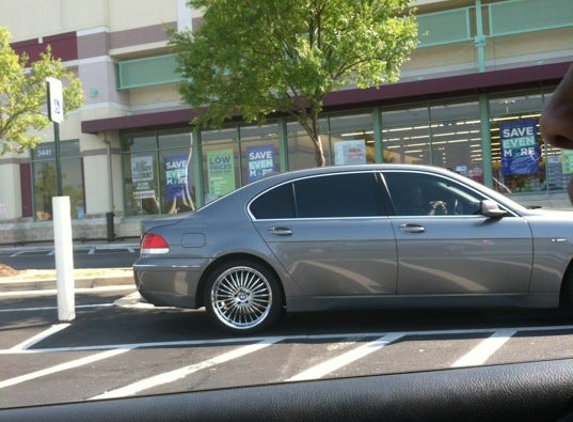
(258,57)
(23,95)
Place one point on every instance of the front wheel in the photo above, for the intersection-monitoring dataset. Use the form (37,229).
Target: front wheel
(566,299)
(243,297)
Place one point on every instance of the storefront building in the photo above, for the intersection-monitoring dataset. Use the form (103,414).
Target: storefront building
(469,100)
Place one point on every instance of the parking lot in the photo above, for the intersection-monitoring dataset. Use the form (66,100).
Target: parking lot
(118,347)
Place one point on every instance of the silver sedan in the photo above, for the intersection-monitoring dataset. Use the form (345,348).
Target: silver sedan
(356,237)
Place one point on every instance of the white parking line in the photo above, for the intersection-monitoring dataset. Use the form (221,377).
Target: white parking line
(296,337)
(476,356)
(39,337)
(332,365)
(50,308)
(182,343)
(180,373)
(482,352)
(62,367)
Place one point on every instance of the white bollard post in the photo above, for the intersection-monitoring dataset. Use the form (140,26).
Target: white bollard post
(64,258)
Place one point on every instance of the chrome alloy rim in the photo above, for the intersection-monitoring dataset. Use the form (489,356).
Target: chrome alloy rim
(241,297)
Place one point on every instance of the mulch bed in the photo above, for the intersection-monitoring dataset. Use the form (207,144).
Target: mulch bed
(7,271)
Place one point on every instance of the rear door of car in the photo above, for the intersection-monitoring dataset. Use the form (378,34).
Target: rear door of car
(330,233)
(461,252)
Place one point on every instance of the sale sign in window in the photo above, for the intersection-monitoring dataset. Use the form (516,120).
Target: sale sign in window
(519,148)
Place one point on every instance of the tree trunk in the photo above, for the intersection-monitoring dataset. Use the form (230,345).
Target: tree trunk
(312,130)
(318,151)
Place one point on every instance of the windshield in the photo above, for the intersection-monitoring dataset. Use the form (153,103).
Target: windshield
(241,193)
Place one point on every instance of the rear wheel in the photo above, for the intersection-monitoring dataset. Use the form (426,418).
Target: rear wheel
(243,296)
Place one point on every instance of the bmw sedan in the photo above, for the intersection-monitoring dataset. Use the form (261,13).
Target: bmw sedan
(356,237)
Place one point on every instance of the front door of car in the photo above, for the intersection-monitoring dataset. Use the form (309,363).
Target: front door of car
(336,242)
(455,251)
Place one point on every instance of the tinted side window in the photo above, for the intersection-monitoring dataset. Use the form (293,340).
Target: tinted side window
(276,203)
(418,193)
(341,195)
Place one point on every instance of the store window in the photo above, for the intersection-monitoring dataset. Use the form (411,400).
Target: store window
(259,152)
(351,138)
(406,134)
(455,134)
(44,178)
(175,177)
(221,165)
(518,160)
(439,133)
(158,173)
(558,164)
(301,153)
(234,157)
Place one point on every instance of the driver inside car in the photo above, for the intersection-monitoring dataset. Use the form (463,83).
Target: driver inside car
(412,201)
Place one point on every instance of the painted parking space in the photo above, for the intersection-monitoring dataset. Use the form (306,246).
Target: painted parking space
(119,351)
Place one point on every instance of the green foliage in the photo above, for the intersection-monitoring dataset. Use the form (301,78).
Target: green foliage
(23,95)
(258,57)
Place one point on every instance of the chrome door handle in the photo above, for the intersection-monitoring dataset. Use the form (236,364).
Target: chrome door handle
(280,231)
(412,228)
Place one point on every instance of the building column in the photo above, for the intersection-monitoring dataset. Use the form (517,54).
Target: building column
(480,39)
(198,167)
(283,147)
(485,140)
(377,134)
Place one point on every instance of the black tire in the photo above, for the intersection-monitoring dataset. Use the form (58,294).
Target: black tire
(243,296)
(566,299)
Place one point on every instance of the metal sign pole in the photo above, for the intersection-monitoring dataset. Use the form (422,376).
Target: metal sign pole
(59,189)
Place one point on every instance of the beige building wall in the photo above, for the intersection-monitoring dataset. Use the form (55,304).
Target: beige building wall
(129,14)
(153,98)
(50,17)
(540,47)
(10,198)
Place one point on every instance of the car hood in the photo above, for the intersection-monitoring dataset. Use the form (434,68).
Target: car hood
(549,213)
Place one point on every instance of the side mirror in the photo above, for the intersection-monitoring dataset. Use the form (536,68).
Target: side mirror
(490,208)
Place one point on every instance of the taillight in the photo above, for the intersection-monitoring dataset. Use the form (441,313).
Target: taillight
(153,244)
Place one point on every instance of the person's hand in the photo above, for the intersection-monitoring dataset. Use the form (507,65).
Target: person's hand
(438,205)
(556,121)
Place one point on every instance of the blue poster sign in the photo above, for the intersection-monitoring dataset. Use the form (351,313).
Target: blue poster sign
(260,161)
(519,149)
(176,176)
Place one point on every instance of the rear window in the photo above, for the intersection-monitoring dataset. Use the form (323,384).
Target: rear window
(276,203)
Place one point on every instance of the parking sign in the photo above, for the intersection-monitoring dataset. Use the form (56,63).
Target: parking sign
(55,100)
